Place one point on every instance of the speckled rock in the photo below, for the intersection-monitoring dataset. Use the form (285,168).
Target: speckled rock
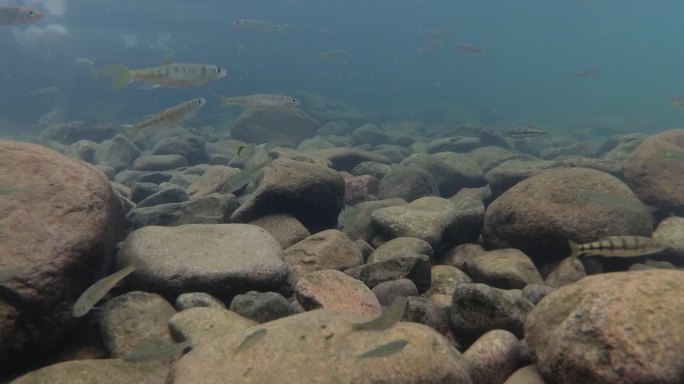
(329,249)
(622,327)
(258,125)
(535,292)
(135,320)
(433,219)
(159,162)
(284,228)
(191,147)
(358,189)
(452,171)
(311,193)
(503,268)
(445,278)
(415,268)
(82,150)
(115,371)
(459,255)
(401,246)
(670,232)
(653,170)
(567,271)
(387,291)
(219,259)
(117,149)
(425,311)
(323,350)
(262,306)
(454,144)
(355,221)
(59,222)
(478,308)
(211,209)
(140,191)
(371,168)
(540,214)
(345,159)
(202,325)
(197,299)
(525,375)
(493,357)
(511,172)
(408,183)
(331,289)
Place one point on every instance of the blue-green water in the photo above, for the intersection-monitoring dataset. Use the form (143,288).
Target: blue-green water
(532,49)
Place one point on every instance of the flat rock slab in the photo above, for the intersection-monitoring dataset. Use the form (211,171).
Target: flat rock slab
(220,259)
(110,371)
(320,347)
(623,327)
(59,221)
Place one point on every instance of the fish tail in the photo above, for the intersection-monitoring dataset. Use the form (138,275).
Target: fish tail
(224,100)
(575,249)
(121,75)
(283,26)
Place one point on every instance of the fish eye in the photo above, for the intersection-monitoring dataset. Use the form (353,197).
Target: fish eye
(31,13)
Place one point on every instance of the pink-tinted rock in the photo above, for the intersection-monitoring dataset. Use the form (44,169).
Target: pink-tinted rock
(623,327)
(59,220)
(493,357)
(654,170)
(331,289)
(358,189)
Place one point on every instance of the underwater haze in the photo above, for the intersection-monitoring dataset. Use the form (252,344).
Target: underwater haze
(613,64)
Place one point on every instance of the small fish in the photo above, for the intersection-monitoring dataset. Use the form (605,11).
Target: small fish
(617,246)
(262,100)
(385,350)
(44,91)
(247,175)
(252,25)
(176,75)
(251,339)
(9,273)
(388,318)
(335,55)
(84,61)
(18,15)
(525,133)
(677,102)
(156,351)
(585,73)
(435,34)
(469,48)
(173,115)
(429,46)
(98,290)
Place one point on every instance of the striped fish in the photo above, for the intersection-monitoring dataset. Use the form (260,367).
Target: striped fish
(617,246)
(262,100)
(173,115)
(18,15)
(175,75)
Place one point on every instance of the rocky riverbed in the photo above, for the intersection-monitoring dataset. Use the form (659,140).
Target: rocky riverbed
(254,260)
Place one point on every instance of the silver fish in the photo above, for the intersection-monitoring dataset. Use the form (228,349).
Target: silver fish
(10,15)
(251,339)
(247,175)
(525,133)
(617,246)
(156,351)
(389,317)
(173,115)
(385,350)
(262,100)
(97,291)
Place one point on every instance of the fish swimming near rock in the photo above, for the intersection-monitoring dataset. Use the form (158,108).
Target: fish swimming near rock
(174,75)
(173,115)
(156,351)
(253,25)
(247,175)
(617,246)
(262,100)
(251,339)
(387,319)
(19,15)
(97,291)
(525,133)
(385,350)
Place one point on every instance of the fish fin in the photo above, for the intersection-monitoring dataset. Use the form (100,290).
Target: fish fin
(121,75)
(574,249)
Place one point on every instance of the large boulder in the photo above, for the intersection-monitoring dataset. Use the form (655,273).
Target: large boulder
(623,327)
(59,221)
(540,214)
